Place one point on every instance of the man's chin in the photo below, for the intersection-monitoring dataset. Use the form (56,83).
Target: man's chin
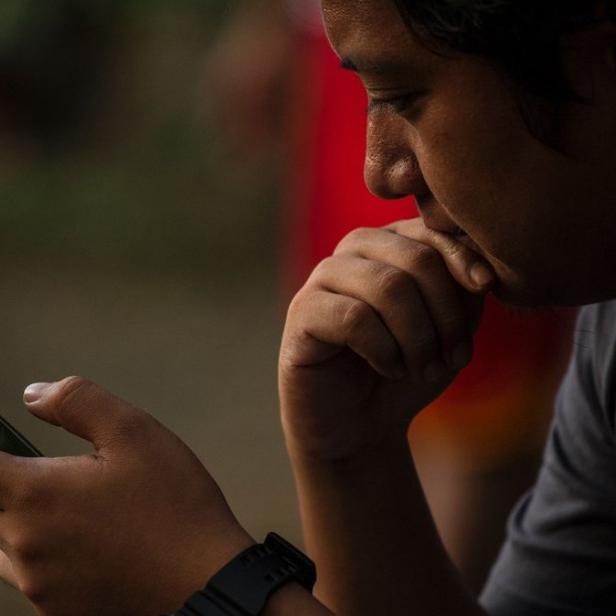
(517,298)
(521,294)
(517,292)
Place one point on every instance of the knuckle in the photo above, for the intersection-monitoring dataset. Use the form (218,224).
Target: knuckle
(77,396)
(295,301)
(354,316)
(422,256)
(287,358)
(297,306)
(406,226)
(71,387)
(73,384)
(322,270)
(352,239)
(394,284)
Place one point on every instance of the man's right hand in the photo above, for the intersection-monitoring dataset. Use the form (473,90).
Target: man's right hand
(379,331)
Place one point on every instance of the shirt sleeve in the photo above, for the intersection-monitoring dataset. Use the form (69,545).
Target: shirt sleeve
(560,553)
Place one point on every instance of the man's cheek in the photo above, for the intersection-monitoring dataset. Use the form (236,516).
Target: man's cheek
(455,192)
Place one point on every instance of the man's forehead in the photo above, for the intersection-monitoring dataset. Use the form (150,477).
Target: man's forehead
(368,34)
(373,13)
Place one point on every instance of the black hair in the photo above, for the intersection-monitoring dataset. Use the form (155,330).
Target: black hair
(524,37)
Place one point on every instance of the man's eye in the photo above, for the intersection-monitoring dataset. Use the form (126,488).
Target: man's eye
(397,104)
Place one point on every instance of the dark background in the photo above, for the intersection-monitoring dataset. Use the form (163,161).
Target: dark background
(135,250)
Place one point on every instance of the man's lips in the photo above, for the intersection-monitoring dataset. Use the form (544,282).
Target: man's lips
(443,224)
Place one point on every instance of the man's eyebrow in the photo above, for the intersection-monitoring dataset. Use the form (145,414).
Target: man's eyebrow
(372,66)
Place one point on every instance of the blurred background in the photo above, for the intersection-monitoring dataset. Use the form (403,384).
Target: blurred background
(170,172)
(137,248)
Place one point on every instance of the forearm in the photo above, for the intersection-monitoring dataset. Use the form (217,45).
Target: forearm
(369,529)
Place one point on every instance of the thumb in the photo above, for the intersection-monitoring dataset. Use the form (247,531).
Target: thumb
(464,262)
(82,408)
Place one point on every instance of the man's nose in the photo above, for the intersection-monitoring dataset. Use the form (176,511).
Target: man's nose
(391,170)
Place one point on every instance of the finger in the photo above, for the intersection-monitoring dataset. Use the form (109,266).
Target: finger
(7,574)
(465,262)
(84,409)
(467,266)
(451,315)
(394,295)
(324,320)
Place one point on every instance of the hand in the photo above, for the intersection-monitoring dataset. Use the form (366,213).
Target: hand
(377,333)
(132,529)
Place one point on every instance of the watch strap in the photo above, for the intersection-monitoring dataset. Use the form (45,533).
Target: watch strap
(201,604)
(243,586)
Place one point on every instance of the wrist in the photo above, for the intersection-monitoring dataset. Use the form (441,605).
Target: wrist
(386,447)
(231,544)
(207,554)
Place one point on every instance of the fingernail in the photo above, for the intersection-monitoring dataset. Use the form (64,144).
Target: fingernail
(35,392)
(461,356)
(434,372)
(481,275)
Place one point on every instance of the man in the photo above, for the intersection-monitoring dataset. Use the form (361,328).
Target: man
(499,118)
(476,448)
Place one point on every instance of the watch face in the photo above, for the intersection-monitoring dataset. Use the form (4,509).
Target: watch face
(14,443)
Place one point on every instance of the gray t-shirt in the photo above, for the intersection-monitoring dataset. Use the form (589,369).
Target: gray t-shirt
(560,555)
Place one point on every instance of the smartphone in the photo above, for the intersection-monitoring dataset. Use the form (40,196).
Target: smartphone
(11,441)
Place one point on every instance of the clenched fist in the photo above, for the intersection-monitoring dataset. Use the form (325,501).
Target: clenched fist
(379,330)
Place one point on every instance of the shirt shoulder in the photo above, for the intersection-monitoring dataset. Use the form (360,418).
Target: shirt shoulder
(560,553)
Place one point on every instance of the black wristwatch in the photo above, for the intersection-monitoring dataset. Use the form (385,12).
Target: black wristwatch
(243,586)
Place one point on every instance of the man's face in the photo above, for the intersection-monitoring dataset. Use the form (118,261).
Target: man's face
(448,129)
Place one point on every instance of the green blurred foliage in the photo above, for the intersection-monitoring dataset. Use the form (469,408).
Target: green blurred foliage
(19,16)
(141,179)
